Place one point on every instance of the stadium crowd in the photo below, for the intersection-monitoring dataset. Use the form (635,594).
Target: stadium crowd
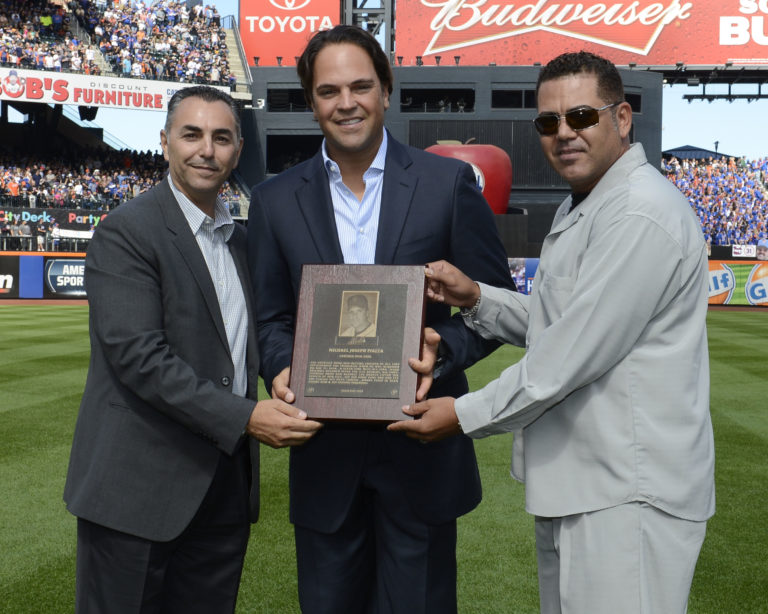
(728,195)
(165,40)
(98,180)
(34,35)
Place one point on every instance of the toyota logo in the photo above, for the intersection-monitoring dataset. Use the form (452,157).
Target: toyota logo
(289,5)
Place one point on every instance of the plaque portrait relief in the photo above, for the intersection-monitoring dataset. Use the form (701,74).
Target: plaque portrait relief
(358,314)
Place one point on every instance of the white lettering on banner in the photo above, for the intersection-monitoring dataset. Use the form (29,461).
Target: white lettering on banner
(295,23)
(74,269)
(6,282)
(737,30)
(750,7)
(463,15)
(64,280)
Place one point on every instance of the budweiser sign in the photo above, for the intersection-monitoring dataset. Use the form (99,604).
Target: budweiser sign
(641,31)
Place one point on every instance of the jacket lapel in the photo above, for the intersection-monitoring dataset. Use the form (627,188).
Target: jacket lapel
(314,200)
(396,196)
(184,241)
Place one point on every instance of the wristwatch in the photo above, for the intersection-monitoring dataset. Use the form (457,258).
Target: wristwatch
(470,312)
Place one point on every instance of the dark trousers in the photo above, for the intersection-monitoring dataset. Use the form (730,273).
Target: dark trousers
(383,559)
(196,573)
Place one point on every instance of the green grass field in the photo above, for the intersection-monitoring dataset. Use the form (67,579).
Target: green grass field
(43,361)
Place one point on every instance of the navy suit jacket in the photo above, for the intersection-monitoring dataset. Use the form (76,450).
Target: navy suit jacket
(157,411)
(431,209)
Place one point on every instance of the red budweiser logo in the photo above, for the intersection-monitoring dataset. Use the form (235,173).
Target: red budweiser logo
(628,26)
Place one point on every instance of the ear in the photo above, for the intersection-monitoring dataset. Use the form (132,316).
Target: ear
(624,119)
(386,98)
(164,144)
(239,151)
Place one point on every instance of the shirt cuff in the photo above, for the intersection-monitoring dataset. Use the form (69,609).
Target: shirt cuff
(471,421)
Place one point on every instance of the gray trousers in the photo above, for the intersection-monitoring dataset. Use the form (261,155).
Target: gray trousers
(632,558)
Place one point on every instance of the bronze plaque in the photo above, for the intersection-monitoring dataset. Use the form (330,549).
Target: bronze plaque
(356,327)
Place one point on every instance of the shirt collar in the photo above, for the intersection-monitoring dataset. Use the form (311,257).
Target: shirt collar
(378,162)
(195,217)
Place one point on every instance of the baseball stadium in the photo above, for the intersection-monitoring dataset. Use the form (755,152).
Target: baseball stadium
(464,86)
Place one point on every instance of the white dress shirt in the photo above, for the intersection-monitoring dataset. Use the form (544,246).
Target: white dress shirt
(212,235)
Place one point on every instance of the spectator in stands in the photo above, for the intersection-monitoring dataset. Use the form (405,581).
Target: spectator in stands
(5,234)
(54,236)
(15,235)
(25,232)
(762,249)
(40,232)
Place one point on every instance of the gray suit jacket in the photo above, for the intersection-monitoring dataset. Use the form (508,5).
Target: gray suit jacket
(157,410)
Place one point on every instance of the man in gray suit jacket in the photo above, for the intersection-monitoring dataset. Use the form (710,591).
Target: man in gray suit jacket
(610,404)
(163,474)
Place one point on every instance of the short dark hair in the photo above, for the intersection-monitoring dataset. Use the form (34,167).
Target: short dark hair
(343,34)
(609,85)
(357,300)
(206,93)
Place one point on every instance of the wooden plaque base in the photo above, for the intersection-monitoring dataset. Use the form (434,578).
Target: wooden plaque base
(356,328)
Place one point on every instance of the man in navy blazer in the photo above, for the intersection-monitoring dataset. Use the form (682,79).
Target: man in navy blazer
(374,514)
(163,474)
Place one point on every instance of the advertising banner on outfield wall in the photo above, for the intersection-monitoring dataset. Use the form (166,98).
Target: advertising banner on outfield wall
(49,276)
(272,28)
(738,282)
(9,277)
(87,90)
(644,32)
(69,219)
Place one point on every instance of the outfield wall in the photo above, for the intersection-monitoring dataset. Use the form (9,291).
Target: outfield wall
(36,275)
(738,282)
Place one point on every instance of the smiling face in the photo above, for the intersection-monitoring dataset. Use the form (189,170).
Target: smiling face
(202,147)
(349,102)
(583,157)
(358,318)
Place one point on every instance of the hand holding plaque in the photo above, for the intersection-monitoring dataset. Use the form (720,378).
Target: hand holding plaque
(356,328)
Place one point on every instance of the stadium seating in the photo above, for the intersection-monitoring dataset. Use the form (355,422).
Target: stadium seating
(94,181)
(728,195)
(165,40)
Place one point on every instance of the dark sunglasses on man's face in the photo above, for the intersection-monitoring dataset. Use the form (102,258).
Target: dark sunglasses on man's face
(582,118)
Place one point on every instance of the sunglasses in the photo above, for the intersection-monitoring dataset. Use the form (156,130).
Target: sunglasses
(582,118)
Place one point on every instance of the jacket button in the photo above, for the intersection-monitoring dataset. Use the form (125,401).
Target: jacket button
(225,381)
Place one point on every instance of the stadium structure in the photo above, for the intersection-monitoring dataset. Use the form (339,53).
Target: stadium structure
(463,71)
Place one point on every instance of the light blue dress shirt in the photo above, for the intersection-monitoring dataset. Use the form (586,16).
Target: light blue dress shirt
(357,222)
